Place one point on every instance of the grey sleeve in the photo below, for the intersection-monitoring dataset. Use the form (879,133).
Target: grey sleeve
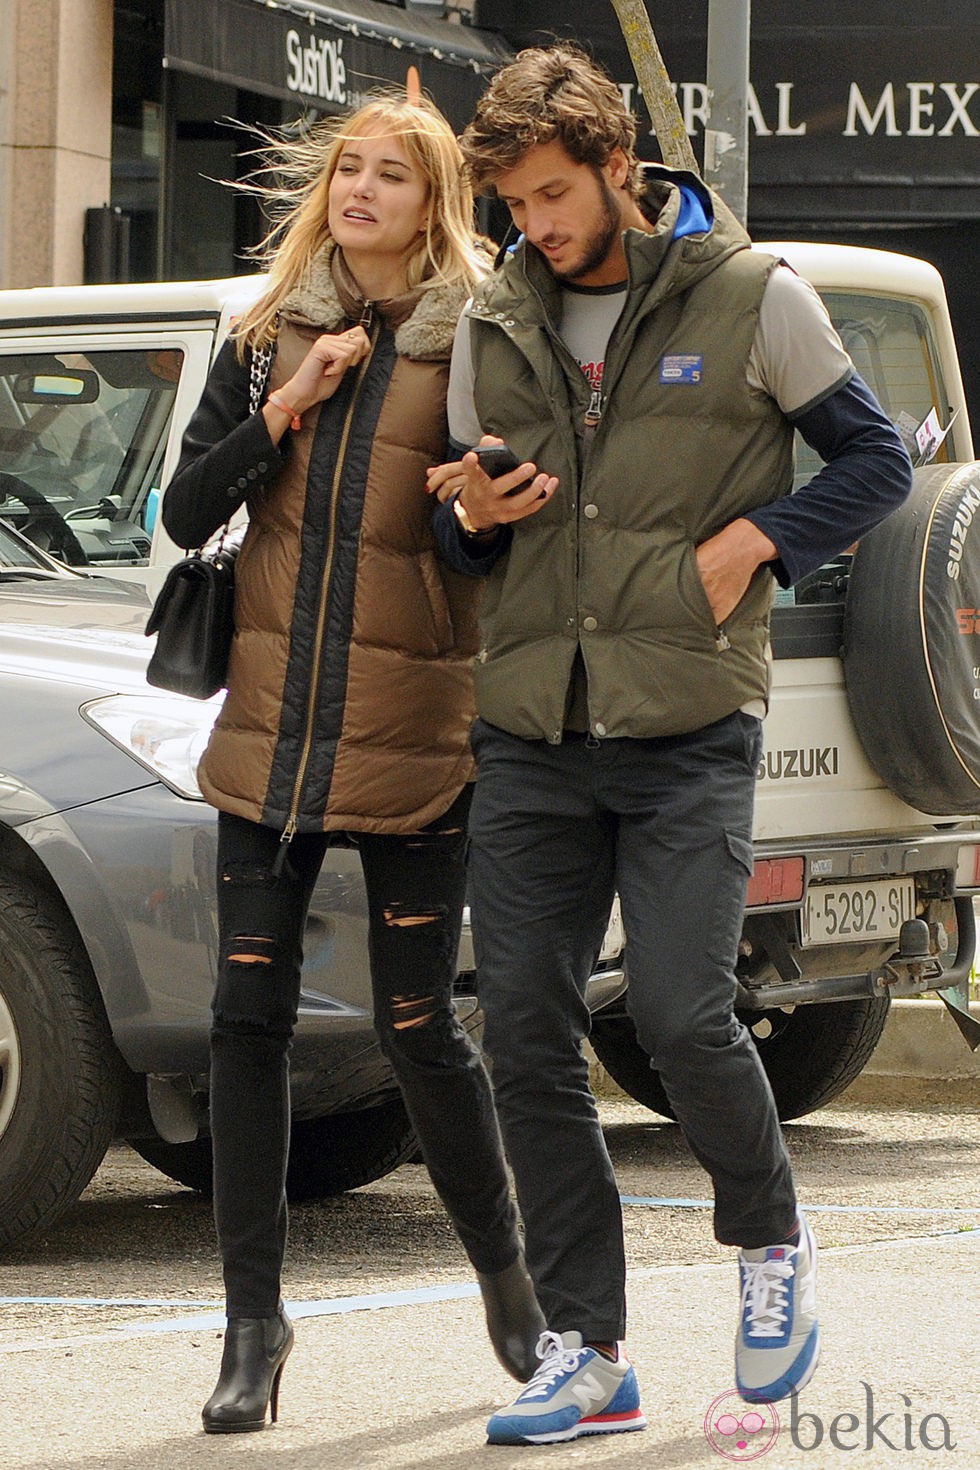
(464,426)
(797,356)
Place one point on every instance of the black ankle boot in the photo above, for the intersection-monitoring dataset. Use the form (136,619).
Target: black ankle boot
(255,1351)
(514,1319)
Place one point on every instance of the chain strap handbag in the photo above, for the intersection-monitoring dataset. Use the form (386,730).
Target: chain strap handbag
(193,616)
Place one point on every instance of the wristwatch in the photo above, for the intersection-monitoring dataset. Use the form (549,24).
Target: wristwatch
(465,523)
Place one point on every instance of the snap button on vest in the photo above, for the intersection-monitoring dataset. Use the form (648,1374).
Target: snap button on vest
(591,511)
(589,624)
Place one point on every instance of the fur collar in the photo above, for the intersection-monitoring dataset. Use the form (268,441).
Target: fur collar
(424,322)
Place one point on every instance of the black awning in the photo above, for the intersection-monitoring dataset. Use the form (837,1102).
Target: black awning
(328,56)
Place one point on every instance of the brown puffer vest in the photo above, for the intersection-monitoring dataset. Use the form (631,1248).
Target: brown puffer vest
(349,699)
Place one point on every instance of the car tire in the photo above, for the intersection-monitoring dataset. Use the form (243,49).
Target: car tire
(810,1054)
(60,1074)
(912,643)
(327,1155)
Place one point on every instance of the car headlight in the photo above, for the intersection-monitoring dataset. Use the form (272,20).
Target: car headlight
(166,734)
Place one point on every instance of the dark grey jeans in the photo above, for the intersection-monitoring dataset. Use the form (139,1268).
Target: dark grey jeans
(413,967)
(555,830)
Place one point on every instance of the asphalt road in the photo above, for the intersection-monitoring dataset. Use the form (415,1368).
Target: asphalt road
(110,1327)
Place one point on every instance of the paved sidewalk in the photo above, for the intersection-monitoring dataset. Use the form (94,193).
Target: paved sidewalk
(409,1387)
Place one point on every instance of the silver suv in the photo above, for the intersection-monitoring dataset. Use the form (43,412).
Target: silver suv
(107,922)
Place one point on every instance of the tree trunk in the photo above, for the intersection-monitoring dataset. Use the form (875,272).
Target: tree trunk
(665,115)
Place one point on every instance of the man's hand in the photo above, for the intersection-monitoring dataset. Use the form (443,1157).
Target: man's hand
(487,502)
(727,562)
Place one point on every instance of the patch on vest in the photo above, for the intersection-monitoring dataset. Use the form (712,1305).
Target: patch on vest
(681,367)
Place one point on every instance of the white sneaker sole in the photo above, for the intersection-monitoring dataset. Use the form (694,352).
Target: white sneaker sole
(585,1427)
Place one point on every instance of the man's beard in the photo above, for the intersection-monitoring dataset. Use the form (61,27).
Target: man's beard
(602,239)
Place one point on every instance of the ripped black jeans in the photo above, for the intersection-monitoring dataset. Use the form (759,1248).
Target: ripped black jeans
(415,887)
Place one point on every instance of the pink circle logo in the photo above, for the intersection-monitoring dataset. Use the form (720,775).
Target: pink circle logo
(740,1431)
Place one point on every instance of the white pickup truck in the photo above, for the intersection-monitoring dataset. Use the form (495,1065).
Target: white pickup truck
(867,843)
(867,833)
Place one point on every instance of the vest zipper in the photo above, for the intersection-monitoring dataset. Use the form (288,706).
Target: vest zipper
(292,821)
(593,418)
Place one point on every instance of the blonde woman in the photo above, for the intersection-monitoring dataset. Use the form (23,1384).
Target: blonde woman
(349,700)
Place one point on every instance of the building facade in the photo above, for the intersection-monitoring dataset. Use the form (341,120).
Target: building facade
(119,119)
(864,121)
(55,134)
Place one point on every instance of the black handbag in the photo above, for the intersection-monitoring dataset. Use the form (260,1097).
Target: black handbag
(194,620)
(193,616)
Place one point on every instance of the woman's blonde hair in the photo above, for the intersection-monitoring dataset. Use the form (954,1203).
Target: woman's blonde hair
(303,168)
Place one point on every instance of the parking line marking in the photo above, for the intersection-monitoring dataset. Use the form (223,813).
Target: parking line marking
(212,1313)
(330,1306)
(102,1301)
(708,1204)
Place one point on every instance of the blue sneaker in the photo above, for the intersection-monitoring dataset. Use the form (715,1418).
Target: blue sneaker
(575,1391)
(778,1343)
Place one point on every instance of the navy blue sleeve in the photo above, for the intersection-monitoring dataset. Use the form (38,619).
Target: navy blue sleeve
(226,455)
(867,475)
(467,554)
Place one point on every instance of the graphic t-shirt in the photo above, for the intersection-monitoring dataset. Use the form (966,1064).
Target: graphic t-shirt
(588,316)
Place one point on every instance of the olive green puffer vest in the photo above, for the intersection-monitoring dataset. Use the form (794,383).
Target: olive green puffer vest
(683,446)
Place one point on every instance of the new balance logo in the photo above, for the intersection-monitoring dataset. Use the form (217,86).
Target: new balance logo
(587,1391)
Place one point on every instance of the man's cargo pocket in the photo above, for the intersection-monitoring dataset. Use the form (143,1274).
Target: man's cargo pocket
(736,859)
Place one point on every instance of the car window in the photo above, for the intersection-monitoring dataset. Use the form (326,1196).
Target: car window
(892,346)
(82,439)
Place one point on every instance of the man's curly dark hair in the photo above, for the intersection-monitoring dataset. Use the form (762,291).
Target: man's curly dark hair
(547,93)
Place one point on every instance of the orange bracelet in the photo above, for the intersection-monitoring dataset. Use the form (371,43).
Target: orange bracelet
(295,419)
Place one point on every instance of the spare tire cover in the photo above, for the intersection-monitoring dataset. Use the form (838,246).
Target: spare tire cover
(912,643)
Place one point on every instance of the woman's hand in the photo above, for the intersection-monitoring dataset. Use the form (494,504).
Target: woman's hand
(488,502)
(317,378)
(318,375)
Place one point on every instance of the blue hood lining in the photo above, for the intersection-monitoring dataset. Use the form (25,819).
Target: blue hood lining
(696,216)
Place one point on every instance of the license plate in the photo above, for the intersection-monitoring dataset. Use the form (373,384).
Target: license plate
(615,938)
(846,913)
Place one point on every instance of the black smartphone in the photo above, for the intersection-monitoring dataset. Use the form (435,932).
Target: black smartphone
(498,459)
